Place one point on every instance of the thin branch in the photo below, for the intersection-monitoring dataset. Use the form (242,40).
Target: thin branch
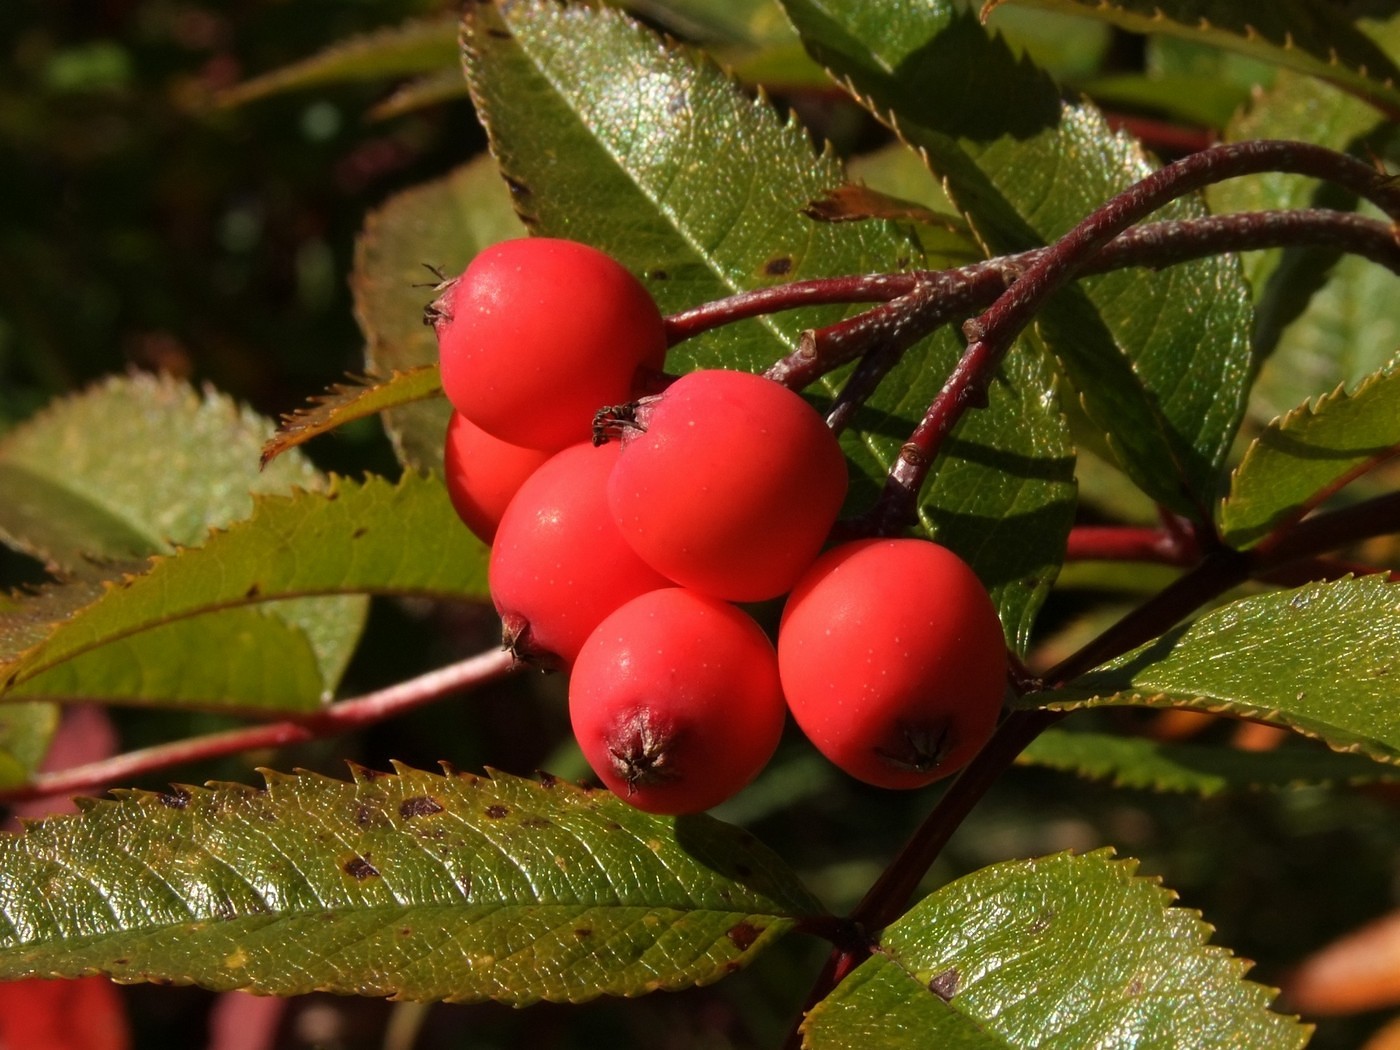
(1128,543)
(340,717)
(991,334)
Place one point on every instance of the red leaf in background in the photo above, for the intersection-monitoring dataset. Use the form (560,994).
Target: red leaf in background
(85,1014)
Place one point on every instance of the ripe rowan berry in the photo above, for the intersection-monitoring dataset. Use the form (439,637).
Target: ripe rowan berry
(893,660)
(483,473)
(728,483)
(675,701)
(559,565)
(537,333)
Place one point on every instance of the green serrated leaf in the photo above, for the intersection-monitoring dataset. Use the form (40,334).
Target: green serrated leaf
(1360,295)
(1313,447)
(646,150)
(417,46)
(131,467)
(1310,36)
(412,884)
(355,538)
(1319,659)
(433,228)
(1162,360)
(1196,769)
(136,466)
(1059,952)
(346,402)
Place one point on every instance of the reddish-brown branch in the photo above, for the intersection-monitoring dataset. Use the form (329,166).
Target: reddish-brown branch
(1128,543)
(341,717)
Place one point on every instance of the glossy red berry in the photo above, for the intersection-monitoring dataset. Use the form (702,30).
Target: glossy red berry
(893,660)
(559,565)
(728,483)
(675,701)
(483,473)
(538,333)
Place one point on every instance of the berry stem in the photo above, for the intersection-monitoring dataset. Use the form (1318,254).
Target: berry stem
(991,334)
(340,717)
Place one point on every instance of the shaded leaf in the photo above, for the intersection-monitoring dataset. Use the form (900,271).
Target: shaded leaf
(1196,769)
(438,226)
(1162,360)
(132,466)
(1310,36)
(346,402)
(700,190)
(421,92)
(1319,659)
(1313,447)
(349,539)
(414,885)
(26,731)
(417,46)
(1063,951)
(136,466)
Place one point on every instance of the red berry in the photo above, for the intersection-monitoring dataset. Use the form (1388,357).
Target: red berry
(728,483)
(538,333)
(893,660)
(675,701)
(559,565)
(483,473)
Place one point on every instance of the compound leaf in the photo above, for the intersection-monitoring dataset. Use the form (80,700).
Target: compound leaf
(1059,952)
(1319,659)
(646,150)
(415,885)
(408,245)
(349,539)
(1162,360)
(1312,448)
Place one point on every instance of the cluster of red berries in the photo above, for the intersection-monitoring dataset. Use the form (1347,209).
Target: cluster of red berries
(627,516)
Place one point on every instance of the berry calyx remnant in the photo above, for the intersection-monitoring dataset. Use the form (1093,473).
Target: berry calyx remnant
(893,660)
(727,483)
(675,701)
(537,333)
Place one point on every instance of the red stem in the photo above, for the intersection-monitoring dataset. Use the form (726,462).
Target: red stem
(340,717)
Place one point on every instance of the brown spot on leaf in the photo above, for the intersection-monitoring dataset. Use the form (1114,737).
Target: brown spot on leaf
(548,780)
(497,811)
(419,806)
(945,984)
(254,589)
(537,822)
(359,868)
(177,799)
(658,275)
(361,531)
(363,816)
(583,933)
(742,935)
(778,265)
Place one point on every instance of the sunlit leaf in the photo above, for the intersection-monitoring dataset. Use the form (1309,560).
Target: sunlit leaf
(411,884)
(1060,952)
(1313,447)
(1319,659)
